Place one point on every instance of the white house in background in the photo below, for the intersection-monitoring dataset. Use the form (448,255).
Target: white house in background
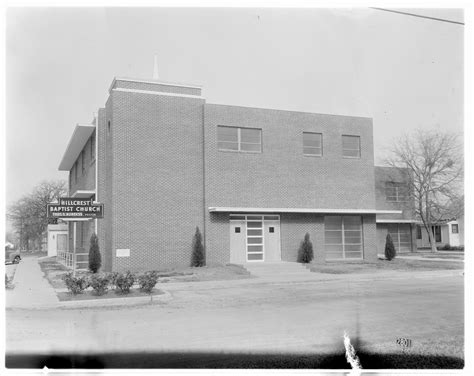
(57,238)
(446,232)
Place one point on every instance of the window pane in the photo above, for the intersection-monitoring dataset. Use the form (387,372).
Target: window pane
(350,153)
(271,217)
(333,237)
(227,134)
(353,255)
(252,232)
(350,142)
(255,256)
(254,240)
(312,140)
(237,217)
(250,135)
(254,217)
(254,224)
(250,147)
(228,146)
(353,248)
(254,248)
(312,151)
(333,222)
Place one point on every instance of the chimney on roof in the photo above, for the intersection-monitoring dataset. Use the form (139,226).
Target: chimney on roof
(155,68)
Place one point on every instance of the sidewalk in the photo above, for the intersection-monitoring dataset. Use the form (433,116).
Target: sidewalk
(428,258)
(31,289)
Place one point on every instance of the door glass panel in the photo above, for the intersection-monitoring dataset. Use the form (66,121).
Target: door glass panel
(253,232)
(257,240)
(254,224)
(255,256)
(255,248)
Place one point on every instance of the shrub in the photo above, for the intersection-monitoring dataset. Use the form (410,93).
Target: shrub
(197,258)
(147,281)
(95,260)
(390,251)
(305,252)
(99,283)
(75,285)
(123,281)
(8,284)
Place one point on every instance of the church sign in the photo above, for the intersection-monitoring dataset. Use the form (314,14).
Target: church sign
(70,207)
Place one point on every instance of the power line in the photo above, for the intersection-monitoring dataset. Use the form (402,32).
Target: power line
(420,16)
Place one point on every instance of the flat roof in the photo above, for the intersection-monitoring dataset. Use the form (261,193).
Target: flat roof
(217,209)
(156,82)
(79,137)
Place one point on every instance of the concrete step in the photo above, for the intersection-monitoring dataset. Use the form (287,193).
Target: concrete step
(272,269)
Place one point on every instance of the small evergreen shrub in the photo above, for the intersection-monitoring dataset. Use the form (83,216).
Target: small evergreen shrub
(305,252)
(8,284)
(99,283)
(147,281)
(75,285)
(123,281)
(390,251)
(95,260)
(197,258)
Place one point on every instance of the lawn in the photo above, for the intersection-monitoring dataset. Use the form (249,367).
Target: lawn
(54,271)
(111,294)
(380,265)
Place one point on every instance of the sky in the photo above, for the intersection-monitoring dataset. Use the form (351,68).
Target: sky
(404,72)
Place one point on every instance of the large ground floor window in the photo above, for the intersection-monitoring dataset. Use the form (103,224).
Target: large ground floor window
(343,237)
(401,236)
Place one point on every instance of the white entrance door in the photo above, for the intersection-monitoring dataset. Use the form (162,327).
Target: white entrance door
(254,238)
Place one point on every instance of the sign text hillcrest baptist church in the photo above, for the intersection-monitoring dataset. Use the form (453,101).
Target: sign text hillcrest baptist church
(70,207)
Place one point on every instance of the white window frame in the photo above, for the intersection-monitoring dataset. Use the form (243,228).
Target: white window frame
(358,149)
(239,142)
(452,228)
(312,147)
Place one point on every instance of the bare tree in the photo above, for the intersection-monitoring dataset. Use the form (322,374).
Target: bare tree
(28,215)
(435,179)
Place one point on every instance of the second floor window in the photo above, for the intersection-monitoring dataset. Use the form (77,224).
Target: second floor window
(312,144)
(239,139)
(83,165)
(396,192)
(92,147)
(454,229)
(351,146)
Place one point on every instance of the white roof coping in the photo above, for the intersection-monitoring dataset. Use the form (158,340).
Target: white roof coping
(83,194)
(157,82)
(214,209)
(397,221)
(81,134)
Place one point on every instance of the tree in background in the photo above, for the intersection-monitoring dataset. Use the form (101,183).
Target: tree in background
(197,258)
(390,251)
(435,176)
(305,252)
(28,215)
(95,260)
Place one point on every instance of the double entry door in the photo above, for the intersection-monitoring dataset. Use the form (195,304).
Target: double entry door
(254,238)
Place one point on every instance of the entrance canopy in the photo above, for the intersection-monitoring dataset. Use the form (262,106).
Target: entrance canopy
(221,209)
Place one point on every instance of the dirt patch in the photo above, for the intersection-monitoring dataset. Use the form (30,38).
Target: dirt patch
(111,294)
(395,264)
(53,271)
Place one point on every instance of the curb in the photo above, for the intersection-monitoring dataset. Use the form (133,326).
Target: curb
(96,303)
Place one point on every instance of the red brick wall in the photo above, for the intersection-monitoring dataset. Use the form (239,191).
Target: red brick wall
(155,178)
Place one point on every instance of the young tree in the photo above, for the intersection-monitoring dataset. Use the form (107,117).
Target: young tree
(28,215)
(435,175)
(390,251)
(95,260)
(305,252)
(197,258)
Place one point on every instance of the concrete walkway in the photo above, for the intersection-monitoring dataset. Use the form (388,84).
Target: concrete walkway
(31,289)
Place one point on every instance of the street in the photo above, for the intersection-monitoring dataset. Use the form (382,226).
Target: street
(258,318)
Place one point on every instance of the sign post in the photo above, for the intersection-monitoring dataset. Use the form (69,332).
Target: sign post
(74,210)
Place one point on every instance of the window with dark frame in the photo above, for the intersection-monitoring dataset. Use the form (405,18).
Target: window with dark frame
(312,144)
(396,192)
(248,140)
(350,146)
(418,232)
(83,165)
(454,229)
(93,147)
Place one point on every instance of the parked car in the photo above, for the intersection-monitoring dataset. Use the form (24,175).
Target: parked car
(12,256)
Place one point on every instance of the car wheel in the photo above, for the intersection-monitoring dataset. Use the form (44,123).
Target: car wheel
(16,260)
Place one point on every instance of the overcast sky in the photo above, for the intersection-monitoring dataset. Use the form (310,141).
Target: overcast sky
(404,72)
